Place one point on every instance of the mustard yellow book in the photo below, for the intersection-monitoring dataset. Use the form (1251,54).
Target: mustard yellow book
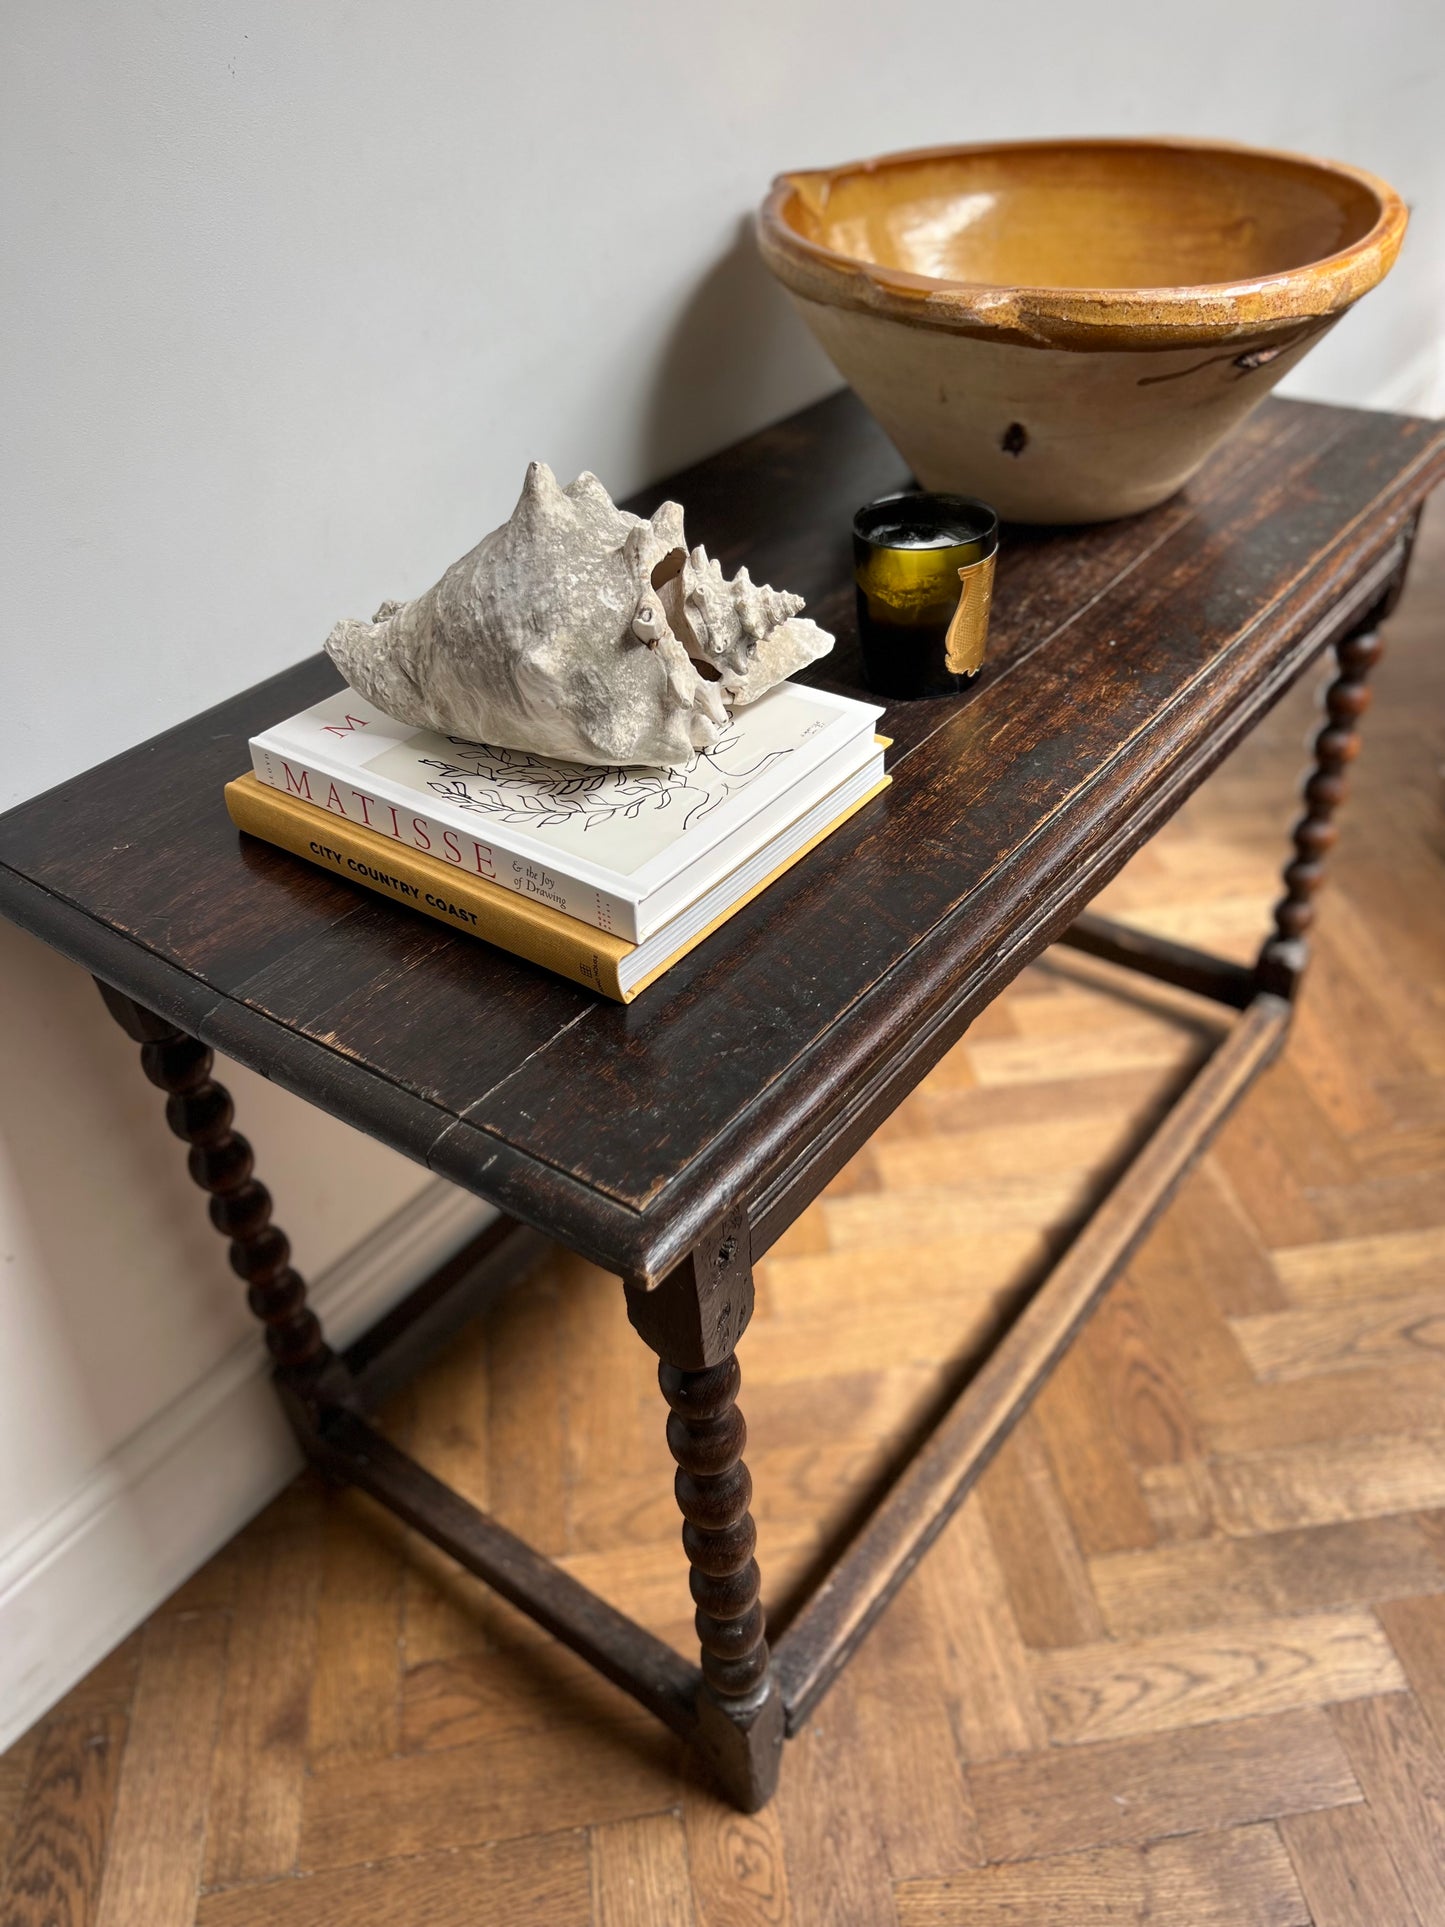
(611,965)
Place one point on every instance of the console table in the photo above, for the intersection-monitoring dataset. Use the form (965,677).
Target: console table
(672,1141)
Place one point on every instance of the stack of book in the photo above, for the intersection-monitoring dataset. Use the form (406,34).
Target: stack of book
(606,876)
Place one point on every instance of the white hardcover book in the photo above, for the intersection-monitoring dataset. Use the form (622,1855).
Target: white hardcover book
(622,849)
(734,889)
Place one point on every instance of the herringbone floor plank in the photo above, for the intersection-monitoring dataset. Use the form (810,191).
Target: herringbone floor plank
(1181,1660)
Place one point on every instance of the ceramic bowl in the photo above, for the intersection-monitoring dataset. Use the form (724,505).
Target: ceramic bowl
(1067,328)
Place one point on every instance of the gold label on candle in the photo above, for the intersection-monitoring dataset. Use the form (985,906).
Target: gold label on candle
(968,632)
(923,565)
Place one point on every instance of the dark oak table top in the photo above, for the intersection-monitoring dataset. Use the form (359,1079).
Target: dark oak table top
(1125,661)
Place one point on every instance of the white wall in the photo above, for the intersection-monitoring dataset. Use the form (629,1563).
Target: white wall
(290,296)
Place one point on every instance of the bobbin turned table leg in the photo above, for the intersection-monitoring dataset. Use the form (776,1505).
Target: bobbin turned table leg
(1284,956)
(200,1112)
(693,1321)
(1281,962)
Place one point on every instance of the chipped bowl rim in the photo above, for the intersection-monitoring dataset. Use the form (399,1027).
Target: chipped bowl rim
(1309,296)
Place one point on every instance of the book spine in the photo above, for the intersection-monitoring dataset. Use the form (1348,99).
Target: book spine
(468,855)
(423,883)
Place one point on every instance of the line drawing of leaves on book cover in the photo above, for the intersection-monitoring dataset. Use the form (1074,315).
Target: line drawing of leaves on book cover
(533,792)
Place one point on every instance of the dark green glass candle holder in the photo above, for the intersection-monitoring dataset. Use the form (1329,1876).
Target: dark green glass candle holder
(923,565)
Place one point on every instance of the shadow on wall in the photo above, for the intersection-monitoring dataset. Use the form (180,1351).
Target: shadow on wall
(737,358)
(115,1292)
(106,1267)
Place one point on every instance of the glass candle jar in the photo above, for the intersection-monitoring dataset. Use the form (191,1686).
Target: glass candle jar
(923,565)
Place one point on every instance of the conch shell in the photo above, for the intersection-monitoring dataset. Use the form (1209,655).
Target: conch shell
(579,631)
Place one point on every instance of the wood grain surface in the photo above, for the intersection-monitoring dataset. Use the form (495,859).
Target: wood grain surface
(332,1723)
(1125,661)
(1112,1690)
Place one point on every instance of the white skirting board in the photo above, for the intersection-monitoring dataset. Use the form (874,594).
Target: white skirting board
(178,1488)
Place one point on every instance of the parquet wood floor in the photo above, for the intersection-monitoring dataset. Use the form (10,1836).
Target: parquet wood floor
(1181,1660)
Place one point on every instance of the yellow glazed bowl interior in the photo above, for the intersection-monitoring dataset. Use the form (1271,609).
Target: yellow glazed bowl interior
(1076,248)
